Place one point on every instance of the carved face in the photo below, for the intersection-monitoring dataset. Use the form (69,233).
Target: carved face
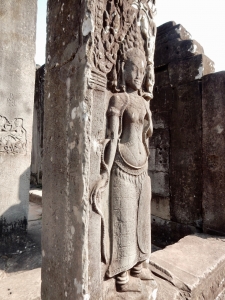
(134,72)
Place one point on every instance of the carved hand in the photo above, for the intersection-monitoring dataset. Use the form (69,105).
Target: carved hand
(99,188)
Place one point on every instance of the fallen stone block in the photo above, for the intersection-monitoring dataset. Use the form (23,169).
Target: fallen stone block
(195,265)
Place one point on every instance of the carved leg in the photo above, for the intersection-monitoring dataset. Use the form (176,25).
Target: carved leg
(122,278)
(140,272)
(128,284)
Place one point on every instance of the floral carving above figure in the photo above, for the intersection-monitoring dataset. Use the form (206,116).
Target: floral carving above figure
(13,138)
(125,24)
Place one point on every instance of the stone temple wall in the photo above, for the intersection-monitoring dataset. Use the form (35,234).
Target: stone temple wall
(181,107)
(38,124)
(17,75)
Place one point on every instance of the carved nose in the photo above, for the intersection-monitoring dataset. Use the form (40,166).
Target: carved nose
(138,74)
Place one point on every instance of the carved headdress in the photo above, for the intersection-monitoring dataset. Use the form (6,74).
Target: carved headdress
(126,24)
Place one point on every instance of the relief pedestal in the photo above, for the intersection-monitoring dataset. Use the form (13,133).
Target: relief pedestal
(96,188)
(17,76)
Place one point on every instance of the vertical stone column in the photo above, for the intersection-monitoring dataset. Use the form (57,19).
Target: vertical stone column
(38,124)
(87,43)
(213,112)
(17,76)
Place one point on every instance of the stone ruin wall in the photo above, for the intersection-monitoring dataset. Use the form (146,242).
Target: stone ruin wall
(186,165)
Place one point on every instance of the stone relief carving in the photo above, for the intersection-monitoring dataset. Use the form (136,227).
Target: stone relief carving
(124,42)
(13,137)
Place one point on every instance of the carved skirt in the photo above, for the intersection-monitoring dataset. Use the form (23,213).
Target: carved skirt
(130,197)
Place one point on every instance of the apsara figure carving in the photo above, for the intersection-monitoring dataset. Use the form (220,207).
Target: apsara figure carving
(130,28)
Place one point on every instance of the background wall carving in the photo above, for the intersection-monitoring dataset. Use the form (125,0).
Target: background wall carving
(13,136)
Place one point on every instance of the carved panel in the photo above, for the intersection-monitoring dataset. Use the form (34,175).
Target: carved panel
(119,26)
(122,69)
(13,136)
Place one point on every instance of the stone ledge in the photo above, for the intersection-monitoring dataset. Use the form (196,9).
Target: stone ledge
(195,265)
(24,286)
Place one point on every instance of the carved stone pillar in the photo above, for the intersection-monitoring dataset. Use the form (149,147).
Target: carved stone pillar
(17,76)
(96,189)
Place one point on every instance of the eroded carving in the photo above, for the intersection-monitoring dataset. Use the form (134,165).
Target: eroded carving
(13,137)
(123,53)
(125,24)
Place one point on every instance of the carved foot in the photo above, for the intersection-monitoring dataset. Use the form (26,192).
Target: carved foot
(144,274)
(133,285)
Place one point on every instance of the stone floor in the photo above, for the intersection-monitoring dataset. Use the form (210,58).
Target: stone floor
(20,273)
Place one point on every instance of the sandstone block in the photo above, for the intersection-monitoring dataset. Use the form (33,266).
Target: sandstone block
(176,49)
(161,120)
(160,183)
(160,155)
(161,78)
(175,32)
(162,29)
(189,69)
(195,265)
(213,105)
(162,100)
(166,232)
(161,207)
(186,155)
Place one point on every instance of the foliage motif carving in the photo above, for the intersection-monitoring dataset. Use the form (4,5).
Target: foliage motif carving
(125,24)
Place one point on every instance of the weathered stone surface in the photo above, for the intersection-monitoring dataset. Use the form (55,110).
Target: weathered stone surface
(213,106)
(161,78)
(66,159)
(17,76)
(161,119)
(195,265)
(186,155)
(162,29)
(87,236)
(221,296)
(160,207)
(25,286)
(176,49)
(190,69)
(159,145)
(162,100)
(38,123)
(166,232)
(176,32)
(160,183)
(166,291)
